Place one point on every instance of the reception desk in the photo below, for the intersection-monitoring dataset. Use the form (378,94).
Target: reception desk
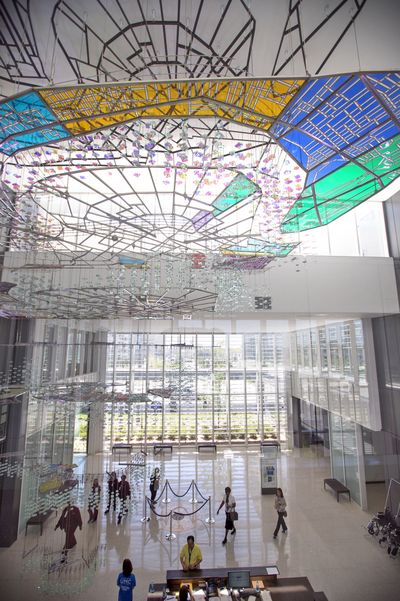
(280,589)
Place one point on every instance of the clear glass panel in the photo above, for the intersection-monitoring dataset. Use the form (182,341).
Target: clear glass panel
(334,348)
(236,351)
(267,351)
(208,397)
(314,350)
(221,416)
(346,349)
(305,342)
(350,455)
(205,417)
(253,418)
(238,418)
(271,416)
(323,349)
(220,352)
(359,336)
(337,448)
(322,386)
(251,351)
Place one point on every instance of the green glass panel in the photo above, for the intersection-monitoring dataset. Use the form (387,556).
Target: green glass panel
(304,221)
(340,181)
(239,189)
(346,188)
(390,177)
(384,158)
(302,205)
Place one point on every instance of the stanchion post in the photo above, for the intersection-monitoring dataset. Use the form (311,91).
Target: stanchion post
(170,535)
(193,499)
(145,518)
(210,519)
(166,500)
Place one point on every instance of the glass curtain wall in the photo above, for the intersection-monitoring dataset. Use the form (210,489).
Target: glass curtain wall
(199,387)
(329,369)
(345,454)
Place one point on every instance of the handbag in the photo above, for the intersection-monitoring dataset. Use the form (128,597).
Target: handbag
(234,516)
(285,514)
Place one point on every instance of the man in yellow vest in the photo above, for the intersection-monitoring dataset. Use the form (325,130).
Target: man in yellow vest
(190,556)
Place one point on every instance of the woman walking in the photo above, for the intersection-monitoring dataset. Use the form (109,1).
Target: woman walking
(230,503)
(94,501)
(113,485)
(280,506)
(154,484)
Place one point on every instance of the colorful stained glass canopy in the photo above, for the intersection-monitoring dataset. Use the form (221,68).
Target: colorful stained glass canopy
(342,130)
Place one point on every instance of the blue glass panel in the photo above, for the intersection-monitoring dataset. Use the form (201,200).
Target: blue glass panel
(316,174)
(352,121)
(305,150)
(36,138)
(130,261)
(388,87)
(313,93)
(372,139)
(23,113)
(350,114)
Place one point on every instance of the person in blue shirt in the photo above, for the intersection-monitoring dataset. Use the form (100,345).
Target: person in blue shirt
(126,582)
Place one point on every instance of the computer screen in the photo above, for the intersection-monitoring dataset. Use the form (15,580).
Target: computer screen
(238,580)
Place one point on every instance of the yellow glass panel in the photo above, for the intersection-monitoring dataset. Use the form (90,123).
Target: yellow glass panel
(82,109)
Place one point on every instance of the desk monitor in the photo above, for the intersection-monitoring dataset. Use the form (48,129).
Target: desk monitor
(239,580)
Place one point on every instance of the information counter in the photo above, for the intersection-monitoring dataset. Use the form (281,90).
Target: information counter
(265,582)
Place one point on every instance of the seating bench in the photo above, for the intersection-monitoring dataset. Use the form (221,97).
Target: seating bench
(157,448)
(207,445)
(337,487)
(38,520)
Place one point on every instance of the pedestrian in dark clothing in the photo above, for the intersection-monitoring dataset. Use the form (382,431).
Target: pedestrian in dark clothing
(280,506)
(94,501)
(230,503)
(69,521)
(124,492)
(112,491)
(154,483)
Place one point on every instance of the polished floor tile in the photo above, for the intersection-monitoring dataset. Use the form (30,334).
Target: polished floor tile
(326,540)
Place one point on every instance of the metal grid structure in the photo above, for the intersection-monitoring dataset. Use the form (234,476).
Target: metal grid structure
(343,131)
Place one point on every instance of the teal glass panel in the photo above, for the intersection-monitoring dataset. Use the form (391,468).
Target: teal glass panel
(36,138)
(262,247)
(25,112)
(19,116)
(240,188)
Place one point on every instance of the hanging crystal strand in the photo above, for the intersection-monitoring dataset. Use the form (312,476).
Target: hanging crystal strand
(184,273)
(233,295)
(169,274)
(145,282)
(134,277)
